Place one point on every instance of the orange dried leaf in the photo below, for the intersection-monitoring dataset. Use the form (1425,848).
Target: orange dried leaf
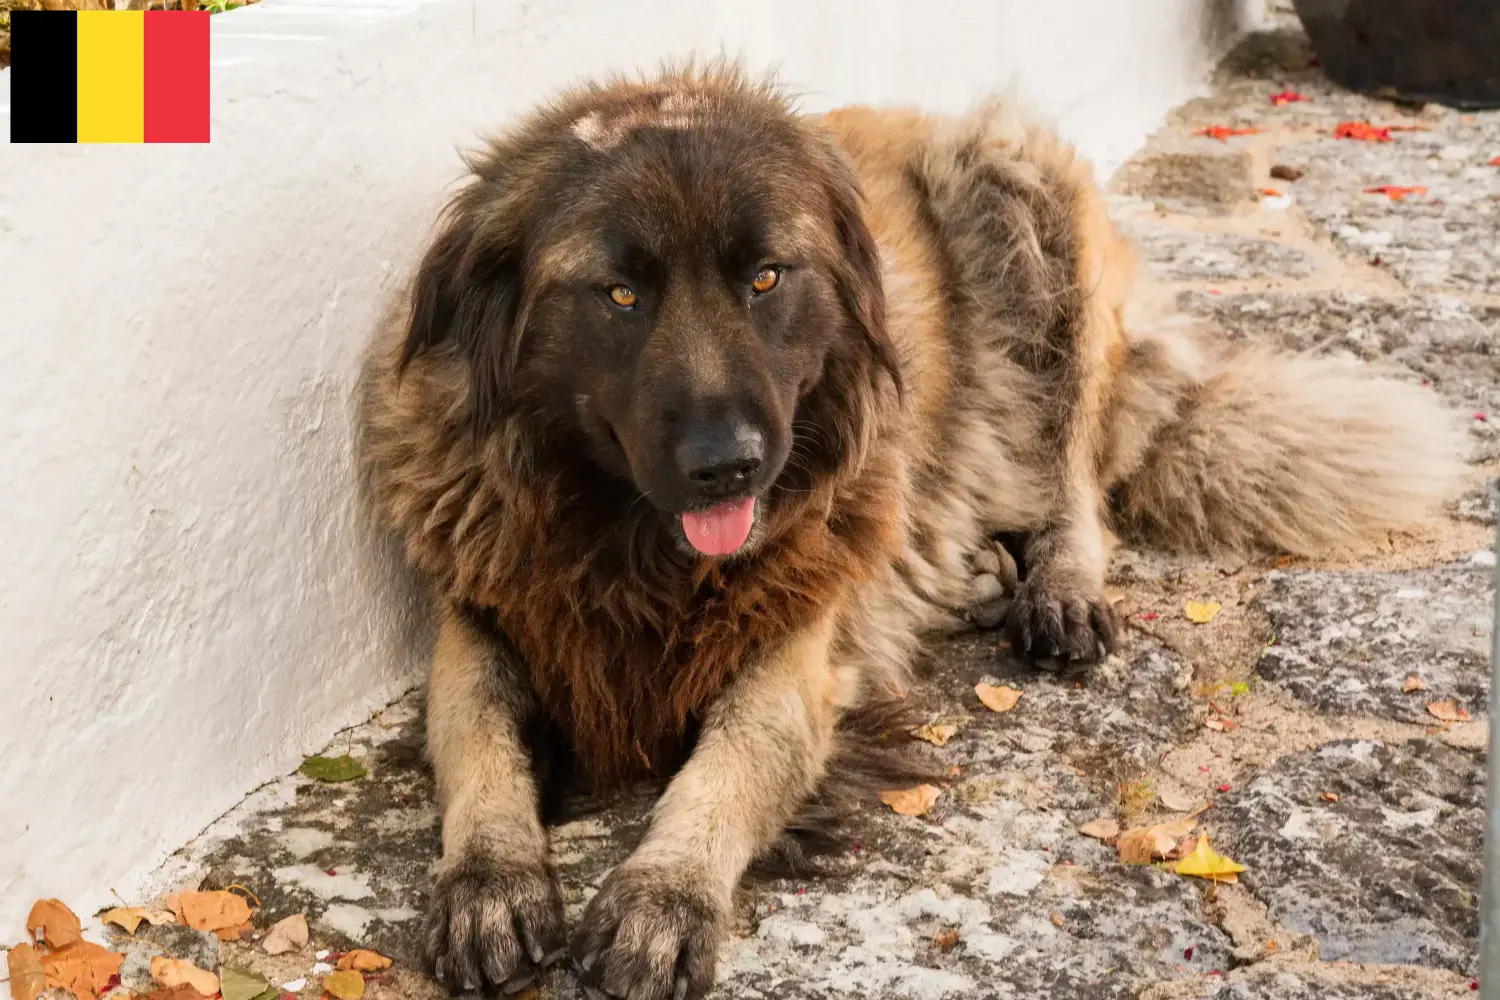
(234,933)
(911,801)
(1413,683)
(1495,162)
(1447,711)
(27,977)
(364,960)
(946,940)
(1105,829)
(171,972)
(345,985)
(1057,919)
(1224,133)
(131,917)
(1361,131)
(938,734)
(1286,97)
(1139,845)
(82,968)
(286,935)
(1330,796)
(1269,193)
(1396,192)
(182,991)
(213,910)
(53,923)
(997,699)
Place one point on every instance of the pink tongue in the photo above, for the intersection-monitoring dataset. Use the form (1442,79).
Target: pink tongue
(721,529)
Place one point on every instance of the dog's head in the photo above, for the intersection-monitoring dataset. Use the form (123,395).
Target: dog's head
(661,277)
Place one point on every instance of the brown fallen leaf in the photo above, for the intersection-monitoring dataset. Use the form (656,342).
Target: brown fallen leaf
(938,734)
(1447,711)
(1282,172)
(171,972)
(286,935)
(182,991)
(27,977)
(213,910)
(1057,919)
(1139,845)
(82,968)
(52,923)
(1105,829)
(345,985)
(1330,796)
(1413,683)
(1184,847)
(997,699)
(1175,802)
(911,801)
(364,960)
(234,933)
(946,940)
(131,917)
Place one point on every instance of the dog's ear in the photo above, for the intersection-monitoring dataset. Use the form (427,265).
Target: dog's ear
(859,279)
(468,292)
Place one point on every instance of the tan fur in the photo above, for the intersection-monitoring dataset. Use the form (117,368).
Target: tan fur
(1024,398)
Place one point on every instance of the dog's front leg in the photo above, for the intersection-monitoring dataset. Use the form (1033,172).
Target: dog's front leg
(496,917)
(652,930)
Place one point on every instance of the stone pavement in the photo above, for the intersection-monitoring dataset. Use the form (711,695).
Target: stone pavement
(1356,812)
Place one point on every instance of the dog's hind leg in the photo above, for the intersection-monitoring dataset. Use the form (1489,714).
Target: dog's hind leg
(652,931)
(496,917)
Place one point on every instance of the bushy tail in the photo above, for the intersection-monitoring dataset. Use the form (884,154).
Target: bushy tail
(1255,450)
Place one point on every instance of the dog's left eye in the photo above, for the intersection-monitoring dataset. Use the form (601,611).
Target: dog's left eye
(765,280)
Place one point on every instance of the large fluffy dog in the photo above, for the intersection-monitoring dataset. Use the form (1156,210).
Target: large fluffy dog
(698,408)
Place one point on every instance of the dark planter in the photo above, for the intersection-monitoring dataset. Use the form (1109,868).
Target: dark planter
(1444,51)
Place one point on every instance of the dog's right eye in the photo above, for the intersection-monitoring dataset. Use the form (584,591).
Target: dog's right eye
(623,296)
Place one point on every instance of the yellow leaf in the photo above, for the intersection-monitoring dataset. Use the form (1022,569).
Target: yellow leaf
(364,960)
(1101,829)
(997,699)
(286,935)
(345,985)
(52,923)
(214,910)
(938,734)
(911,801)
(1201,612)
(177,971)
(1205,862)
(27,977)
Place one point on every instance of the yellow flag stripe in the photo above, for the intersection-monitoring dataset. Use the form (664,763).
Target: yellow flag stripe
(111,76)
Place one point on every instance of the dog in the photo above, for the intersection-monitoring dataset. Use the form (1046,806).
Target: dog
(694,414)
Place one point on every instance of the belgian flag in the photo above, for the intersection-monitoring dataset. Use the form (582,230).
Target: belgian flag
(109,76)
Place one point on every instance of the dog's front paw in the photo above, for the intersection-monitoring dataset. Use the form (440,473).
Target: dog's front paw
(494,924)
(1048,619)
(651,933)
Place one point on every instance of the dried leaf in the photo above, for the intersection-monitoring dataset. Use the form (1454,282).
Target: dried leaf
(1396,192)
(130,917)
(52,923)
(1057,919)
(182,991)
(1220,724)
(1177,803)
(82,968)
(213,910)
(997,699)
(237,984)
(1138,846)
(911,801)
(1223,132)
(363,960)
(343,768)
(1282,172)
(1205,862)
(1447,711)
(1362,131)
(171,972)
(946,940)
(345,985)
(1269,193)
(27,977)
(286,935)
(1330,796)
(1105,829)
(1495,162)
(938,734)
(1413,683)
(1286,97)
(1201,612)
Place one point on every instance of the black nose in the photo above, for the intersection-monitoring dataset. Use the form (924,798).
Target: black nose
(721,459)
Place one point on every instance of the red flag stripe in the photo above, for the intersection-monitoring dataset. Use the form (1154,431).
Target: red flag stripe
(176,76)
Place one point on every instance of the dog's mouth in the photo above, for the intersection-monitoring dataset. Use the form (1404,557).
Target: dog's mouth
(720,530)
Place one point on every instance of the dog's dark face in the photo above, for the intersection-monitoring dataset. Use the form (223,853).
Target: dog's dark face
(662,276)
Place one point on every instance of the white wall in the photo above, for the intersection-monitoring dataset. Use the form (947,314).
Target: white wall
(188,597)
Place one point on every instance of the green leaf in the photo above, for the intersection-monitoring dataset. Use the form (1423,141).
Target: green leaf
(343,768)
(1239,688)
(237,984)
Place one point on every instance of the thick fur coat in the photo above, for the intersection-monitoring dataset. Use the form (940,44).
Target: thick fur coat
(948,349)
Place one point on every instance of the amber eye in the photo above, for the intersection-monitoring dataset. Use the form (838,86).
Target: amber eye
(765,280)
(623,296)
